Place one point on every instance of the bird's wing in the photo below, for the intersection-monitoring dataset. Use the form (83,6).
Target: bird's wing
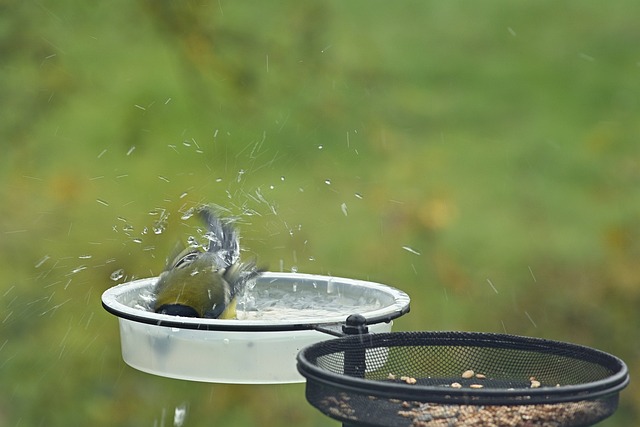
(224,241)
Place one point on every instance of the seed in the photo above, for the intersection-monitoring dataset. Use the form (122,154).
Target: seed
(391,376)
(468,374)
(409,380)
(456,385)
(481,376)
(476,386)
(535,383)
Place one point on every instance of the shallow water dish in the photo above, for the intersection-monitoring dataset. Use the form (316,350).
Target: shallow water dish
(276,318)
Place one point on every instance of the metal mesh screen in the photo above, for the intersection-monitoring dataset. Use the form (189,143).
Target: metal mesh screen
(460,379)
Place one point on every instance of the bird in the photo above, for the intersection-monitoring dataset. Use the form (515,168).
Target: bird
(205,283)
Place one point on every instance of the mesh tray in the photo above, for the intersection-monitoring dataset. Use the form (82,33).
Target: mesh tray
(460,379)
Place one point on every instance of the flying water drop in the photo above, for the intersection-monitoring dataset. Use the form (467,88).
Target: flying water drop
(78,269)
(117,275)
(42,261)
(410,249)
(179,415)
(187,214)
(492,286)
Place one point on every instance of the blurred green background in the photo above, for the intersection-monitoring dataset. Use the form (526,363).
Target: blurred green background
(497,141)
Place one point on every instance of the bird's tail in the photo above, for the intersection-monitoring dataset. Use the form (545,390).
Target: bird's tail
(224,241)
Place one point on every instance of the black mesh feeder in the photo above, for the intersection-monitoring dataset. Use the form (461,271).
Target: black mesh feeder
(453,379)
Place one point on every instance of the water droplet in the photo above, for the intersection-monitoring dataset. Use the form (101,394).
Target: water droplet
(320,147)
(327,181)
(179,415)
(358,196)
(42,261)
(226,341)
(137,240)
(188,214)
(410,249)
(271,187)
(78,269)
(192,241)
(343,207)
(295,287)
(183,195)
(218,179)
(117,275)
(85,256)
(331,287)
(294,269)
(282,178)
(102,202)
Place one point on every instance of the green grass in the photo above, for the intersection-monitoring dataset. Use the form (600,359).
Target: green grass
(497,140)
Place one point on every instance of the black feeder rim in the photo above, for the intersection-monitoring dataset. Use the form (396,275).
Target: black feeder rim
(422,367)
